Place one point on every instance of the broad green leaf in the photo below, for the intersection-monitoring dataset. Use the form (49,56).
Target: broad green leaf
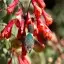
(14,30)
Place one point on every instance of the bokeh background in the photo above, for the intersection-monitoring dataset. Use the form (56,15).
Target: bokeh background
(54,51)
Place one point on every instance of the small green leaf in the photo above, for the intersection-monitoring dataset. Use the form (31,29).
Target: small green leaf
(7,43)
(5,50)
(2,25)
(2,13)
(9,1)
(14,30)
(4,1)
(14,60)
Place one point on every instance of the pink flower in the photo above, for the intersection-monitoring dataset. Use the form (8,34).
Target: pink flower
(41,3)
(20,23)
(23,60)
(6,33)
(11,7)
(19,12)
(28,19)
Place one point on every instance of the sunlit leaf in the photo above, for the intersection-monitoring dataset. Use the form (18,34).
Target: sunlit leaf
(14,30)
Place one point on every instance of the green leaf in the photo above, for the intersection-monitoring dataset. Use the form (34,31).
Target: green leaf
(5,50)
(2,13)
(14,30)
(14,60)
(3,60)
(9,1)
(7,43)
(2,25)
(4,1)
(7,18)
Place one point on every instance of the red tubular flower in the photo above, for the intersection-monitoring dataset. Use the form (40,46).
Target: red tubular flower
(47,18)
(19,12)
(23,60)
(23,50)
(33,1)
(28,20)
(26,60)
(21,29)
(44,29)
(20,60)
(6,33)
(37,10)
(20,26)
(20,23)
(41,3)
(40,39)
(11,7)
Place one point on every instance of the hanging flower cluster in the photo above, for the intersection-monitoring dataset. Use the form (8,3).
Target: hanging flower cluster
(31,31)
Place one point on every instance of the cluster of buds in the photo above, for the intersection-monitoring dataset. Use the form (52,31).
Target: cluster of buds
(31,31)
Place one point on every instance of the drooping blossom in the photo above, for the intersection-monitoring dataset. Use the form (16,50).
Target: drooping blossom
(37,10)
(6,33)
(23,60)
(41,3)
(47,17)
(46,32)
(12,6)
